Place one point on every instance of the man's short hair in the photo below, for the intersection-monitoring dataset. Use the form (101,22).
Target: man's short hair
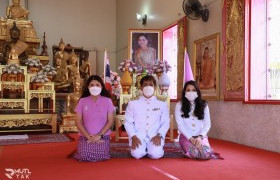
(148,78)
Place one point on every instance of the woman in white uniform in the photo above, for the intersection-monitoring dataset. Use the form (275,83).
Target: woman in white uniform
(193,120)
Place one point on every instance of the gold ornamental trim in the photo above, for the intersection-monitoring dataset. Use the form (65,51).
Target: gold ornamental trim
(24,122)
(41,95)
(48,87)
(12,104)
(13,86)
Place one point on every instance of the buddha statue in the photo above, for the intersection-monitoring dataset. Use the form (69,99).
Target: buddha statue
(61,81)
(75,96)
(85,67)
(64,56)
(13,57)
(69,118)
(16,44)
(16,11)
(73,70)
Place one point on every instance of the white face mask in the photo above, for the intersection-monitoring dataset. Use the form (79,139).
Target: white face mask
(191,96)
(95,91)
(148,91)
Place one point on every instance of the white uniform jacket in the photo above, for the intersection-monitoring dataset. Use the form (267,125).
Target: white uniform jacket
(146,117)
(192,126)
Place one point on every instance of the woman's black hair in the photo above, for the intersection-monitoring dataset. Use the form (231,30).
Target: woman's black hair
(104,91)
(200,104)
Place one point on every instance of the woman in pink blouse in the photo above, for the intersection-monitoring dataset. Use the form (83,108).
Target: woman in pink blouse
(94,119)
(193,120)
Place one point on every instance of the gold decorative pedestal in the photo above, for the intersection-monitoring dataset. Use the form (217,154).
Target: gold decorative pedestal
(13,61)
(68,123)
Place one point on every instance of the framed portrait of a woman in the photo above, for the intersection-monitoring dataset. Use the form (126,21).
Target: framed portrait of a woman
(206,65)
(144,47)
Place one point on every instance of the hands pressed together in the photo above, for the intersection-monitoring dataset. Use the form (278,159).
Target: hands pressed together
(197,142)
(94,139)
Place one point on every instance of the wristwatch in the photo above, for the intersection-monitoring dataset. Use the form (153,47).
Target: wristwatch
(101,135)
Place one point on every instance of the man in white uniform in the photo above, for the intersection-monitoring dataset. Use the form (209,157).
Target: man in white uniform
(147,122)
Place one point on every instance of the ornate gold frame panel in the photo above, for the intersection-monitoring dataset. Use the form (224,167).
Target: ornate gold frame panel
(19,120)
(154,41)
(182,26)
(206,66)
(233,59)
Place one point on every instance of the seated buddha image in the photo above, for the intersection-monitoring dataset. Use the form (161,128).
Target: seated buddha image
(13,55)
(16,11)
(73,70)
(85,67)
(61,78)
(15,44)
(63,55)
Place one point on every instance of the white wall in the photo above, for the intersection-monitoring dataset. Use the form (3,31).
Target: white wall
(3,5)
(85,23)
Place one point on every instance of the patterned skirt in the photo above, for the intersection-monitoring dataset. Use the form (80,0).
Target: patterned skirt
(93,152)
(191,151)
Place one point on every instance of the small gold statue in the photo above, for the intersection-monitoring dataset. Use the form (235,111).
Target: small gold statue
(69,118)
(61,78)
(74,97)
(64,56)
(73,70)
(16,11)
(85,69)
(13,55)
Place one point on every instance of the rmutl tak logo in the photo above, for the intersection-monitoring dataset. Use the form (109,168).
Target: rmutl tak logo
(18,173)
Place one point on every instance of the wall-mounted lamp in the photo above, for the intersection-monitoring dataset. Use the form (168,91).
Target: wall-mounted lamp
(142,18)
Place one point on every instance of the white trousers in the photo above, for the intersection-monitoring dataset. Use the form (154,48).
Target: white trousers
(147,147)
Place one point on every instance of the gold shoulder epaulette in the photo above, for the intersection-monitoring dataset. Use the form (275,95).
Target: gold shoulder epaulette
(162,98)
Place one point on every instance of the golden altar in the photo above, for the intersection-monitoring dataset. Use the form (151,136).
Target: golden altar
(22,105)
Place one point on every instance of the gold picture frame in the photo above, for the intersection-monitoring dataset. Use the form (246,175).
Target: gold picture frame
(206,66)
(137,51)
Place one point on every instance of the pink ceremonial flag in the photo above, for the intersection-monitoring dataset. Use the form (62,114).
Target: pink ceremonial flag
(188,69)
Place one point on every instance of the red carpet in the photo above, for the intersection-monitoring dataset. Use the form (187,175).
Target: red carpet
(48,161)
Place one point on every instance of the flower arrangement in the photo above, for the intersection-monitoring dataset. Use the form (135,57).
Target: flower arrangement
(13,69)
(116,84)
(40,78)
(34,62)
(127,63)
(48,70)
(160,66)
